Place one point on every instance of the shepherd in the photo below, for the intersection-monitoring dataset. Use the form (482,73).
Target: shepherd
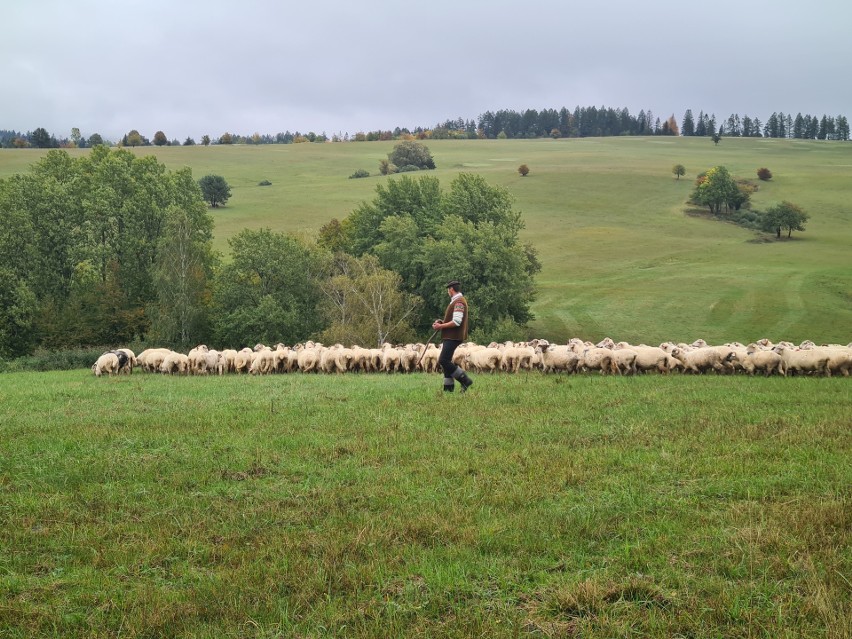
(453,332)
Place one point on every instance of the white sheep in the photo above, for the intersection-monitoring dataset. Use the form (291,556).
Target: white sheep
(516,358)
(593,358)
(839,358)
(229,354)
(106,363)
(175,363)
(213,362)
(649,358)
(390,358)
(624,361)
(768,361)
(408,358)
(700,360)
(484,359)
(196,358)
(556,358)
(263,361)
(243,360)
(152,358)
(805,361)
(429,363)
(308,358)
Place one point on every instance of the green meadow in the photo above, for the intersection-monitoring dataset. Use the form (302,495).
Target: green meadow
(378,506)
(622,254)
(533,506)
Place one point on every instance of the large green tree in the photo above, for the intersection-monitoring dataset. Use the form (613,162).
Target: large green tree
(269,291)
(410,153)
(428,237)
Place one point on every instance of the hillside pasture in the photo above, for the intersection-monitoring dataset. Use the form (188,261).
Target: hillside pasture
(377,506)
(623,255)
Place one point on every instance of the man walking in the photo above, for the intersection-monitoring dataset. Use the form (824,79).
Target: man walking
(453,332)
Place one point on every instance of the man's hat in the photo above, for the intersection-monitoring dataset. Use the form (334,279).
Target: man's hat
(454,284)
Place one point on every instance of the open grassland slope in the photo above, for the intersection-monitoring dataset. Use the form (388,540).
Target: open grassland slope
(622,255)
(374,506)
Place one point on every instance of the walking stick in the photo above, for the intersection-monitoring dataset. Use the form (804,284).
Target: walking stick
(425,348)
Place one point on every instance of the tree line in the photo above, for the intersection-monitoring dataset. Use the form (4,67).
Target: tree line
(778,125)
(590,121)
(111,249)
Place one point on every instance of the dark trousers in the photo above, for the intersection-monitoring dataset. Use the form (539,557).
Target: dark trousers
(445,360)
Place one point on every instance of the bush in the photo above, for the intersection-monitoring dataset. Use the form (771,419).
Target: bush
(59,360)
(500,330)
(360,173)
(523,170)
(764,174)
(408,168)
(386,167)
(264,183)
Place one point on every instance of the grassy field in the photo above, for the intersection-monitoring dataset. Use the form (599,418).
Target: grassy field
(375,506)
(622,257)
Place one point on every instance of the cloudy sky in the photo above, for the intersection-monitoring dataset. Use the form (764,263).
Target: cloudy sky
(193,67)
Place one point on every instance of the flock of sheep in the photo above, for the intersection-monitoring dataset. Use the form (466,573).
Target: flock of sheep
(607,357)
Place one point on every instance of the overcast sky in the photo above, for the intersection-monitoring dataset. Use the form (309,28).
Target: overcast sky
(195,67)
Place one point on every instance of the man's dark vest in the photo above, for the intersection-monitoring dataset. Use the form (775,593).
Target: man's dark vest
(456,332)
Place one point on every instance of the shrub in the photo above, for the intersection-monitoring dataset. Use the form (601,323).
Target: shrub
(386,167)
(360,173)
(764,174)
(55,360)
(264,183)
(523,170)
(408,168)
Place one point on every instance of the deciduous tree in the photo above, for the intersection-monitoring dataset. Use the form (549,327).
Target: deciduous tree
(134,138)
(785,216)
(470,233)
(411,153)
(160,139)
(215,190)
(365,304)
(182,275)
(715,189)
(269,291)
(678,170)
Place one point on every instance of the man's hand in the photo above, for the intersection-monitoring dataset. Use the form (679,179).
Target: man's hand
(436,324)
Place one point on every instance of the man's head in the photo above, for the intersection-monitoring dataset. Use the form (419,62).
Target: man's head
(454,285)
